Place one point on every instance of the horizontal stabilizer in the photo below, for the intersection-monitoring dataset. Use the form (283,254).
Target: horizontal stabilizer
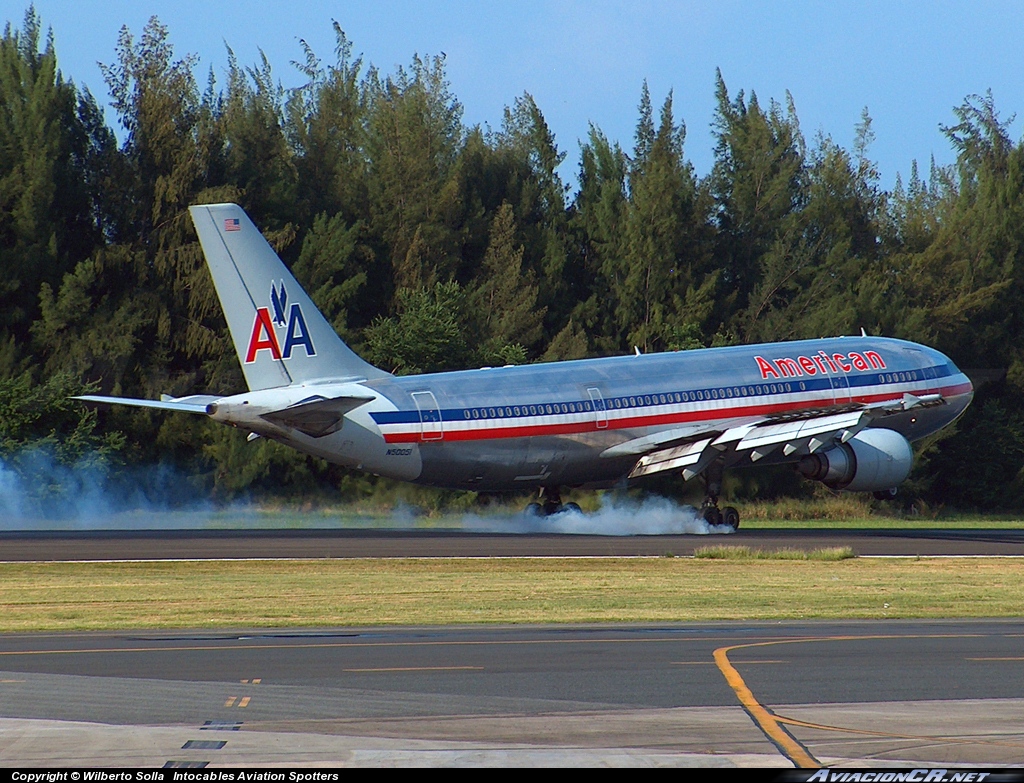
(316,416)
(196,403)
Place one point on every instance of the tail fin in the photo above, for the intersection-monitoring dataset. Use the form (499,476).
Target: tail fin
(279,335)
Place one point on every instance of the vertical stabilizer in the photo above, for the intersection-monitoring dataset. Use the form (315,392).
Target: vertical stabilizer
(280,337)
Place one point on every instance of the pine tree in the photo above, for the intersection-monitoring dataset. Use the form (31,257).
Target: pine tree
(597,227)
(665,284)
(505,296)
(326,124)
(49,147)
(257,157)
(415,134)
(758,182)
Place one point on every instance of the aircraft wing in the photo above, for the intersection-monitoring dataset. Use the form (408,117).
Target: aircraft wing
(692,448)
(195,403)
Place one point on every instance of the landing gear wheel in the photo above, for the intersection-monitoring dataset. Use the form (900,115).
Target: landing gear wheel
(731,517)
(709,510)
(711,515)
(571,508)
(885,494)
(549,502)
(534,510)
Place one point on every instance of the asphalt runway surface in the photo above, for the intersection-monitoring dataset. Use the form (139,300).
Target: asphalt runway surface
(309,543)
(747,694)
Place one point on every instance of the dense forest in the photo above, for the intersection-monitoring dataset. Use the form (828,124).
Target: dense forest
(433,245)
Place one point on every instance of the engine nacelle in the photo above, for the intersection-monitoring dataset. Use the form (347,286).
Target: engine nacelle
(871,461)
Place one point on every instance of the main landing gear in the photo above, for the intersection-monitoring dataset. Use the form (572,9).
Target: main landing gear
(550,502)
(709,510)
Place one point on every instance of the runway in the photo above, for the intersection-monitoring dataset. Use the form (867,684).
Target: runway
(334,543)
(863,693)
(727,694)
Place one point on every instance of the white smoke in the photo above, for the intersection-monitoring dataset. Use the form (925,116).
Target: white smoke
(38,491)
(617,516)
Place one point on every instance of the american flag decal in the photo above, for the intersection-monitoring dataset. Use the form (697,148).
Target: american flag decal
(232,224)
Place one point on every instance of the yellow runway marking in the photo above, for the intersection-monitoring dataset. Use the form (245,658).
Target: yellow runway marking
(782,739)
(712,663)
(1006,658)
(769,722)
(890,735)
(245,701)
(257,681)
(418,669)
(12,681)
(231,701)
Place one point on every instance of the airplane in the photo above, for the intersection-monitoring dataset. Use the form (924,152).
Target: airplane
(843,410)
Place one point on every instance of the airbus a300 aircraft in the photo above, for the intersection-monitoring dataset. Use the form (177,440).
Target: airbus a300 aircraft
(843,410)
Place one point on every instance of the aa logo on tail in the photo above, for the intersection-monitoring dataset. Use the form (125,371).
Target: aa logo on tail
(265,328)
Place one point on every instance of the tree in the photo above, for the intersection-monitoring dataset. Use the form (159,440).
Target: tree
(415,133)
(332,267)
(257,157)
(326,124)
(596,226)
(665,282)
(50,150)
(506,294)
(758,182)
(429,334)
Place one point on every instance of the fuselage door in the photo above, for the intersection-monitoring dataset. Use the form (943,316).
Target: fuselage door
(840,385)
(430,415)
(600,411)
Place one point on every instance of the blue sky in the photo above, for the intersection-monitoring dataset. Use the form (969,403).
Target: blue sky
(909,62)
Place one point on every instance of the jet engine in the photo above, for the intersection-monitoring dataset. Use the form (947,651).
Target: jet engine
(871,461)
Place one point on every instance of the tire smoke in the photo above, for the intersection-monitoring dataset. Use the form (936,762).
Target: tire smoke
(652,516)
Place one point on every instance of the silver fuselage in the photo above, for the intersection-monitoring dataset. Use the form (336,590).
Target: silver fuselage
(520,427)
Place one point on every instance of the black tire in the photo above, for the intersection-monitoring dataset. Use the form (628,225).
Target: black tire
(731,517)
(885,494)
(712,515)
(534,510)
(572,508)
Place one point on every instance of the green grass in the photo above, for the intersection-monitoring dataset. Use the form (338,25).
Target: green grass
(747,553)
(233,594)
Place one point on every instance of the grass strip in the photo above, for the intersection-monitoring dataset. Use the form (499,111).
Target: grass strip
(833,553)
(211,594)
